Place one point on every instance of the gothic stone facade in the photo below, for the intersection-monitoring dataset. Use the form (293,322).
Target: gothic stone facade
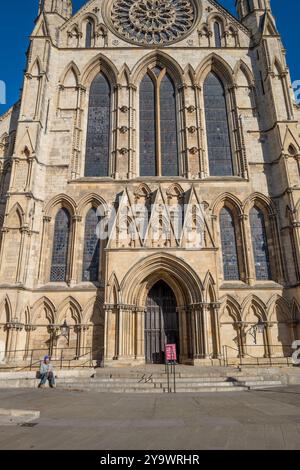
(133,102)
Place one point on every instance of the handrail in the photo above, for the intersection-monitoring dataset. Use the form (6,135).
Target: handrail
(269,357)
(28,355)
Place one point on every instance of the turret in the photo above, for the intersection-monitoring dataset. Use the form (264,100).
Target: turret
(252,12)
(61,7)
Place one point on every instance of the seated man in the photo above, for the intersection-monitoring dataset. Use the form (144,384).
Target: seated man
(46,373)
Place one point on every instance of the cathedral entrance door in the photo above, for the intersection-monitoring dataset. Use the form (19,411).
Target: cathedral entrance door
(161,322)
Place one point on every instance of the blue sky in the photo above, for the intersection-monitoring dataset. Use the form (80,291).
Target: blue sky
(14,38)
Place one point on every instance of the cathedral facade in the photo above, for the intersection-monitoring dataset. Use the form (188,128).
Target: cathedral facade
(150,186)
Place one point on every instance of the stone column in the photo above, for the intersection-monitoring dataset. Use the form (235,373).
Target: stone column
(184,333)
(12,343)
(140,334)
(73,265)
(205,325)
(215,309)
(44,249)
(247,249)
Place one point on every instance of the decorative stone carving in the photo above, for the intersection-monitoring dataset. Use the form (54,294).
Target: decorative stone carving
(153,22)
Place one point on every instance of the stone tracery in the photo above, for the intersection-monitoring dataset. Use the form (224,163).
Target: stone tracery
(153,22)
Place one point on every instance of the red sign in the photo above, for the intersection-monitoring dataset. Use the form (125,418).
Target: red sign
(170,353)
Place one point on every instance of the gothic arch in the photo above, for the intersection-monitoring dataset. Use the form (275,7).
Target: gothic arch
(47,305)
(283,304)
(94,304)
(113,293)
(75,307)
(261,201)
(209,287)
(227,301)
(177,273)
(226,200)
(215,63)
(88,17)
(73,69)
(58,202)
(36,68)
(260,307)
(5,306)
(242,67)
(99,64)
(91,200)
(161,59)
(16,217)
(215,16)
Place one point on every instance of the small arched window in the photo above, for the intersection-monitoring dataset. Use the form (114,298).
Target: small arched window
(229,247)
(260,245)
(60,252)
(217,33)
(217,127)
(91,254)
(89,34)
(98,131)
(158,125)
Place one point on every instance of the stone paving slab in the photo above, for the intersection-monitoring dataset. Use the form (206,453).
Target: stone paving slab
(101,421)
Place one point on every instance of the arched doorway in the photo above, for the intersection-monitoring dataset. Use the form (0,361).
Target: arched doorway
(161,322)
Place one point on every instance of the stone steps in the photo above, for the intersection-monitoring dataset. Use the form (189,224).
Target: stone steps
(152,380)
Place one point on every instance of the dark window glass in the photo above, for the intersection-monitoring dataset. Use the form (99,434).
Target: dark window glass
(91,255)
(59,264)
(89,34)
(217,31)
(229,248)
(98,131)
(217,128)
(168,128)
(147,128)
(260,245)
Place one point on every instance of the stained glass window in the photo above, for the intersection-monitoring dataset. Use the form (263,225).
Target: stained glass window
(158,123)
(147,128)
(89,34)
(168,128)
(217,31)
(59,263)
(229,248)
(260,245)
(217,128)
(91,255)
(98,131)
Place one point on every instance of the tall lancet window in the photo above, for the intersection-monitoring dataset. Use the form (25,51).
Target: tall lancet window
(217,127)
(229,247)
(91,255)
(89,34)
(98,130)
(260,245)
(217,33)
(158,125)
(60,252)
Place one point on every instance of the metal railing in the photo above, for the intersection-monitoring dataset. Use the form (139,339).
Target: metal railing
(61,358)
(276,355)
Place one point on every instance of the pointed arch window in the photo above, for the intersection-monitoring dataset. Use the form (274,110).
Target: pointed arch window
(260,245)
(98,131)
(89,34)
(217,33)
(158,125)
(60,252)
(229,246)
(217,127)
(91,254)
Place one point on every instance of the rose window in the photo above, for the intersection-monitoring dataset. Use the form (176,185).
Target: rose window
(153,22)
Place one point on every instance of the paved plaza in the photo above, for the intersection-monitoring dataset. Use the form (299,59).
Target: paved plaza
(72,420)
